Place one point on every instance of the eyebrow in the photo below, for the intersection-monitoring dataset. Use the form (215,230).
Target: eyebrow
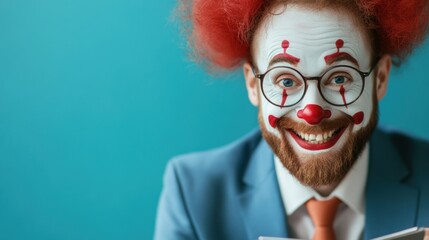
(340,56)
(284,58)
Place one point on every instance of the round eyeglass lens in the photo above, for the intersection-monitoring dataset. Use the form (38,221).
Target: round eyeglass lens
(341,85)
(283,86)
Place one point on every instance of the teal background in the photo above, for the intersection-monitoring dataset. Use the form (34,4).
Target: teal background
(96,96)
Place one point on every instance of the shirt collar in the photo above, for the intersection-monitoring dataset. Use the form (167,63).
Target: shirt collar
(350,190)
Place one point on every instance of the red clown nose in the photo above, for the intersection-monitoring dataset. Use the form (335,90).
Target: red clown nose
(313,114)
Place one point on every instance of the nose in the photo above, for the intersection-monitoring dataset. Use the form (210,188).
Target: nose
(313,114)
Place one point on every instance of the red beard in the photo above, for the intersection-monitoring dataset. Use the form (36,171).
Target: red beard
(324,168)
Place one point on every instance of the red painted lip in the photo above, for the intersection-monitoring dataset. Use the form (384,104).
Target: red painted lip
(315,147)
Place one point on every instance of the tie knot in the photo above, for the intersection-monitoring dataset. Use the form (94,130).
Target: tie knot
(322,212)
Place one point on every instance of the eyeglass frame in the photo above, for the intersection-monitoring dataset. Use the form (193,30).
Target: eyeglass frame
(363,75)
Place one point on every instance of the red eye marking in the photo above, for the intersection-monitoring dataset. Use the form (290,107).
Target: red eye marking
(286,56)
(342,90)
(331,58)
(284,98)
(273,121)
(313,114)
(358,117)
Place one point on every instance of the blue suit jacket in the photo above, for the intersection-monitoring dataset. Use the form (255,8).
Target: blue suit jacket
(232,192)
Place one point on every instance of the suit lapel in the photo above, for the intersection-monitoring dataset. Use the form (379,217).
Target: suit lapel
(391,205)
(261,204)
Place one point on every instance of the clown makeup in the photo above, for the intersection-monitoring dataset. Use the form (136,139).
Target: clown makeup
(323,133)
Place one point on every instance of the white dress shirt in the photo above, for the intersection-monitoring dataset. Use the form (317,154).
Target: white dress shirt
(350,218)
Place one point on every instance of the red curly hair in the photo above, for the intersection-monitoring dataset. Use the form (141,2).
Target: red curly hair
(220,31)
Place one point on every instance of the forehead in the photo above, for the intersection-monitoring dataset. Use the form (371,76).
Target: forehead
(311,35)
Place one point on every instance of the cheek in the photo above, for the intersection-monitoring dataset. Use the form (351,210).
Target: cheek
(270,114)
(361,110)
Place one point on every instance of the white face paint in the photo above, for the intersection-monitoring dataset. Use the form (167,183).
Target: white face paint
(313,35)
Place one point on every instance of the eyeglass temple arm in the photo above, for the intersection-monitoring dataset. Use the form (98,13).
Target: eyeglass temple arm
(257,75)
(366,74)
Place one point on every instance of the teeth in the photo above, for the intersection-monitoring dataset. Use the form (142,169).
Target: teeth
(316,138)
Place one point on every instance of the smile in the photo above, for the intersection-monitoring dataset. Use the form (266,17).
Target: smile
(317,141)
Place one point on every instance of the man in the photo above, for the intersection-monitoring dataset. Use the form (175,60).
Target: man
(316,70)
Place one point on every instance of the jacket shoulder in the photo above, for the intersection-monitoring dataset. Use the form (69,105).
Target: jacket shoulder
(200,189)
(412,150)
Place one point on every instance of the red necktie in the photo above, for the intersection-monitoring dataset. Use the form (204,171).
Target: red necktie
(323,213)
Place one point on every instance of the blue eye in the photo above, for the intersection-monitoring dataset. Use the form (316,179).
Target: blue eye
(340,79)
(287,82)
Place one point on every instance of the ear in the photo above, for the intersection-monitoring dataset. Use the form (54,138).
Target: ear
(251,84)
(382,77)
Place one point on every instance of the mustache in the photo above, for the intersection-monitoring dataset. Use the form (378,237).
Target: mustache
(287,123)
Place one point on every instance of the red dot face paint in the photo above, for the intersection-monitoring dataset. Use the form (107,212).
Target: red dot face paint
(358,117)
(339,43)
(273,121)
(285,45)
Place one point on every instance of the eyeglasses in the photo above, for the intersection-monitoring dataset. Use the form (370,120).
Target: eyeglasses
(340,85)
